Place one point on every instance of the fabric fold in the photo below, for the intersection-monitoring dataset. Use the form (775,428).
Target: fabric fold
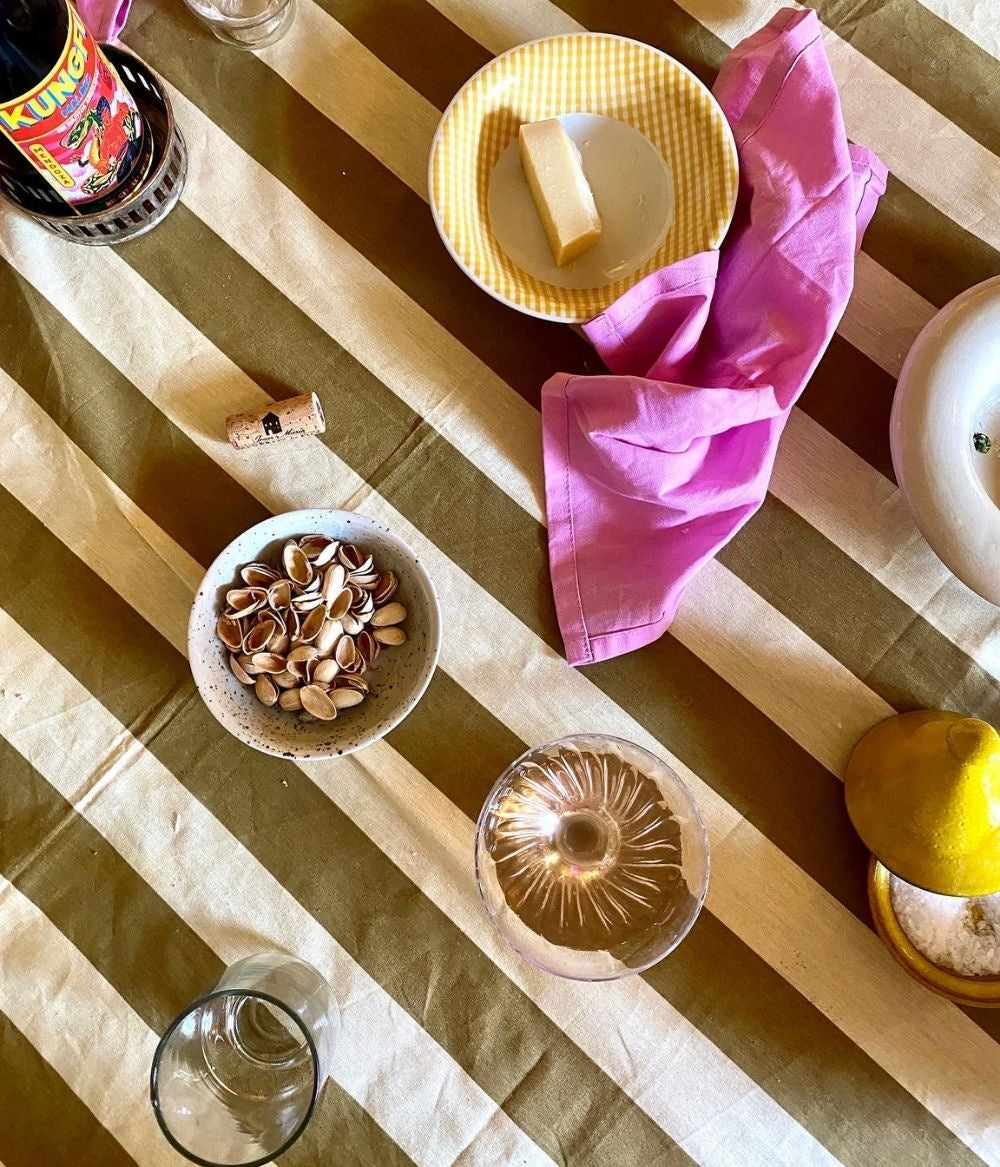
(651,468)
(104,18)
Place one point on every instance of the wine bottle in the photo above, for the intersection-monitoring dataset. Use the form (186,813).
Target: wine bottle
(72,139)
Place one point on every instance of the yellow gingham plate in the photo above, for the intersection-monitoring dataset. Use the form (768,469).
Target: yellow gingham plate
(580,72)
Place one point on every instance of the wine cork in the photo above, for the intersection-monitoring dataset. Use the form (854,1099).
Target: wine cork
(292,418)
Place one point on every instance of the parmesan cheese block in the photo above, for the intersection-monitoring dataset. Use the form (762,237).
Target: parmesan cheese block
(565,202)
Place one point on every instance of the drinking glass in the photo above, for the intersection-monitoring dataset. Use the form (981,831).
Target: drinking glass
(591,857)
(237,1074)
(246,24)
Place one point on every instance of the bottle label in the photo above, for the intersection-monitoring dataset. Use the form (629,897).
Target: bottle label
(79,127)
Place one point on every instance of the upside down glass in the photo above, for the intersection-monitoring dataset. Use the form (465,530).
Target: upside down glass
(236,1076)
(591,857)
(246,24)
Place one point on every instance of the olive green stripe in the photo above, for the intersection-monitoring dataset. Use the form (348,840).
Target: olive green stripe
(929,56)
(98,413)
(892,649)
(121,925)
(446,57)
(851,398)
(42,1122)
(925,248)
(335,871)
(100,904)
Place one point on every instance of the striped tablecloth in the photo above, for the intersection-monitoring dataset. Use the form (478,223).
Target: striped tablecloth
(142,848)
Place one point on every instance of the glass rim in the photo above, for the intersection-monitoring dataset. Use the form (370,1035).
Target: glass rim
(697,820)
(241,23)
(168,1033)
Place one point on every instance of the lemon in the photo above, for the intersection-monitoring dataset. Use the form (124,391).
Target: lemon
(923,792)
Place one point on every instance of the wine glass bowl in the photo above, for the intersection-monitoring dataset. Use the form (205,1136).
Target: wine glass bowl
(591,857)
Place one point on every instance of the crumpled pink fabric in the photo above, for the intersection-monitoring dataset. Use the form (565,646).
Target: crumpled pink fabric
(104,18)
(649,471)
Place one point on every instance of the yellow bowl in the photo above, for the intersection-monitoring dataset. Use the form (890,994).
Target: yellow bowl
(982,991)
(581,72)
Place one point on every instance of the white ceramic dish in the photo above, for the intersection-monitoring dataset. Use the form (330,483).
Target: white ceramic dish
(398,680)
(949,391)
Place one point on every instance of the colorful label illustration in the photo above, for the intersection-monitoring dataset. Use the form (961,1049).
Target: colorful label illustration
(79,127)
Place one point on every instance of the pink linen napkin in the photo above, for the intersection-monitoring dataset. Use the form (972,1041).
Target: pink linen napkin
(650,471)
(104,18)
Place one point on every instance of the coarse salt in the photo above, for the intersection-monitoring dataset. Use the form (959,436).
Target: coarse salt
(958,933)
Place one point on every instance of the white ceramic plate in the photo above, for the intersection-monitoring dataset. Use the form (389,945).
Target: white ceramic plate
(949,391)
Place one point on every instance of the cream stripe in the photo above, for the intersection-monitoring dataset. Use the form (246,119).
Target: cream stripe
(440,379)
(884,315)
(917,143)
(688,1087)
(202,872)
(79,1024)
(835,961)
(980,22)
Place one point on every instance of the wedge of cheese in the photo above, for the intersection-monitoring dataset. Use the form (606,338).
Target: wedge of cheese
(565,202)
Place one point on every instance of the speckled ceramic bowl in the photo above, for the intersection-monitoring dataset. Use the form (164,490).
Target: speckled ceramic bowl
(398,680)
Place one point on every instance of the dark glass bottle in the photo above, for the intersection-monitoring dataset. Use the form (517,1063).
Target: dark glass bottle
(72,138)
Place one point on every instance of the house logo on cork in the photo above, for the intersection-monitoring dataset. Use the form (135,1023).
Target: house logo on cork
(271,423)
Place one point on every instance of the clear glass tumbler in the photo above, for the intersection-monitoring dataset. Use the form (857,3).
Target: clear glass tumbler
(592,858)
(236,1076)
(246,24)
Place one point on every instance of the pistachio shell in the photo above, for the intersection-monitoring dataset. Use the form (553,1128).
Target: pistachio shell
(260,636)
(266,690)
(239,672)
(313,623)
(279,595)
(352,624)
(286,680)
(258,575)
(341,604)
(386,588)
(314,545)
(367,646)
(243,601)
(329,634)
(350,557)
(290,699)
(268,662)
(230,632)
(345,653)
(392,636)
(280,643)
(391,614)
(247,665)
(327,554)
(318,703)
(333,582)
(305,604)
(345,698)
(325,671)
(297,567)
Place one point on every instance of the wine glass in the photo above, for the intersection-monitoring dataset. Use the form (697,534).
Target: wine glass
(236,1076)
(591,857)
